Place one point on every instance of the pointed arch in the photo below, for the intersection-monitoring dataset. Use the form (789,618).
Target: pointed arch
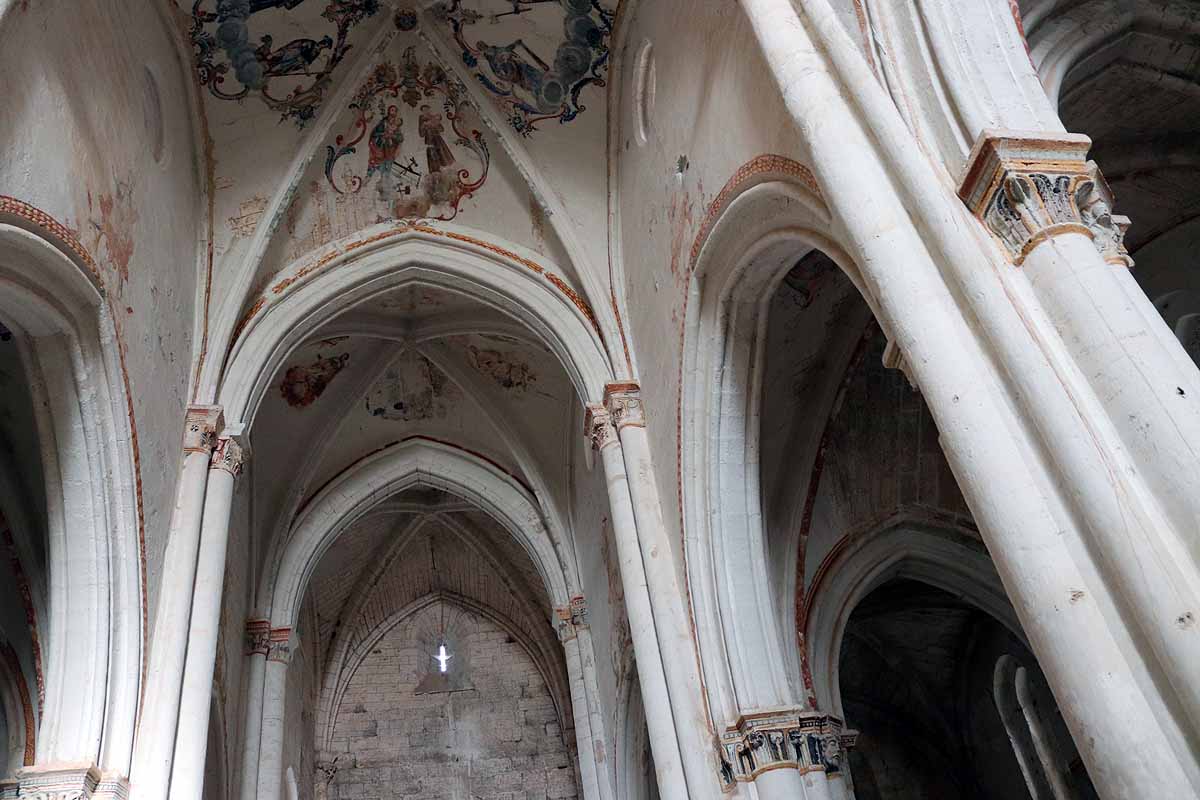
(413,462)
(763,221)
(390,257)
(52,297)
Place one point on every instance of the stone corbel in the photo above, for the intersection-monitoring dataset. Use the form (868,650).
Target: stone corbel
(788,739)
(201,424)
(624,404)
(1027,187)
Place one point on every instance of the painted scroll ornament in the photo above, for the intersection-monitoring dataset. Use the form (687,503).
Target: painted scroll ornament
(237,56)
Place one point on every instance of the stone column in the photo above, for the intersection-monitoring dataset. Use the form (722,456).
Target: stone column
(1047,206)
(258,644)
(1004,694)
(571,621)
(274,711)
(668,599)
(660,720)
(1028,439)
(153,750)
(191,741)
(1041,740)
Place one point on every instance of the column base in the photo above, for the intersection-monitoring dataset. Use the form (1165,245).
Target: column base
(65,782)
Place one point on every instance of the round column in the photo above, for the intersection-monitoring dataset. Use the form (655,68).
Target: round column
(191,741)
(154,749)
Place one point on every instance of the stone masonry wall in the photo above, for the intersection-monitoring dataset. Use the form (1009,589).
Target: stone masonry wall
(499,740)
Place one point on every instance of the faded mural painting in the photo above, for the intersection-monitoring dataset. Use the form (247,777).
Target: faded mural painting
(412,389)
(532,79)
(237,54)
(303,383)
(414,138)
(506,369)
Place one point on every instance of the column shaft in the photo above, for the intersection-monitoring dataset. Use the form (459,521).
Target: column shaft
(256,670)
(999,403)
(583,722)
(191,741)
(274,715)
(660,720)
(153,751)
(668,600)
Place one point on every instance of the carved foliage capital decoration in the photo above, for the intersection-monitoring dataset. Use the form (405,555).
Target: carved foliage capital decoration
(802,740)
(598,426)
(201,424)
(624,404)
(258,637)
(67,783)
(230,455)
(1027,187)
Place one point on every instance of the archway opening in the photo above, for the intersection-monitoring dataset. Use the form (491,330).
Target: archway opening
(917,677)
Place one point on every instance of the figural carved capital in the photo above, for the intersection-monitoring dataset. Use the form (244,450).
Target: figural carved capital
(258,637)
(598,427)
(624,404)
(230,454)
(279,645)
(201,425)
(807,741)
(1028,187)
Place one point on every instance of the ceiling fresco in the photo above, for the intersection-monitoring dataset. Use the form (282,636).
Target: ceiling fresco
(534,57)
(272,50)
(415,142)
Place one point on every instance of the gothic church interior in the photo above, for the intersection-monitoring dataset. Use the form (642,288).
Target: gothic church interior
(599,399)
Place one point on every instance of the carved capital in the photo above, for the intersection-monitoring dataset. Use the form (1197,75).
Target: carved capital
(598,426)
(258,637)
(230,454)
(1027,187)
(572,618)
(201,425)
(279,645)
(624,404)
(69,782)
(1095,201)
(787,739)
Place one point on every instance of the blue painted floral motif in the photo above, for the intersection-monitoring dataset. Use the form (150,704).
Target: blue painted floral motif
(291,78)
(528,87)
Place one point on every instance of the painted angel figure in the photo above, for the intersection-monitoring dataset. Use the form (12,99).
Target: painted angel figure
(295,57)
(385,141)
(437,152)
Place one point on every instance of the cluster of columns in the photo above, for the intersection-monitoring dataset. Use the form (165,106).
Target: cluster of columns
(169,757)
(786,753)
(1068,411)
